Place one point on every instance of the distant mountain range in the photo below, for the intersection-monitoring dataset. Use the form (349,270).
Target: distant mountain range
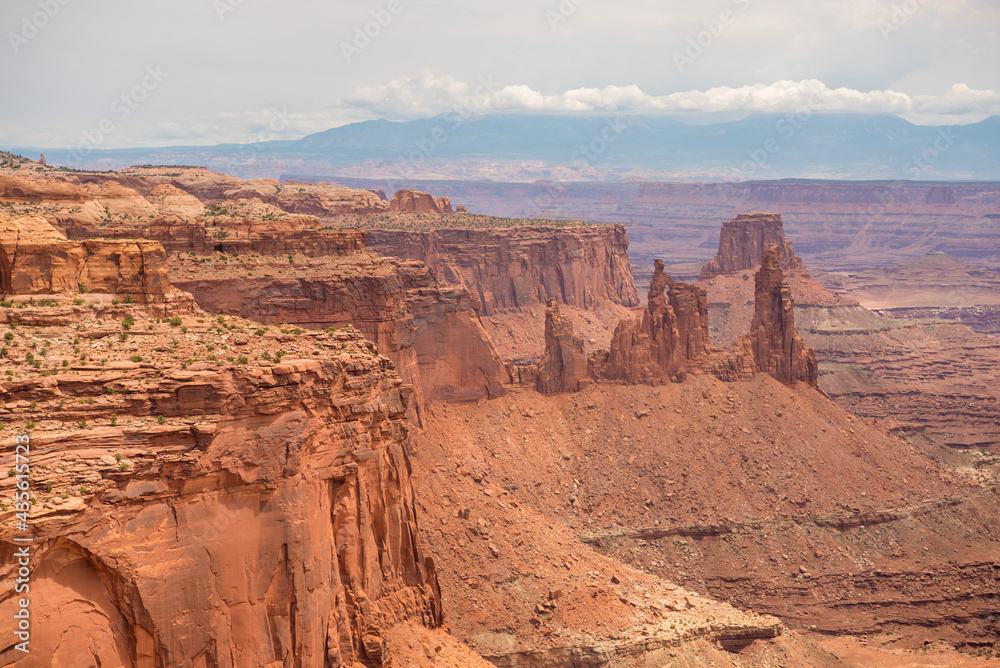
(528,147)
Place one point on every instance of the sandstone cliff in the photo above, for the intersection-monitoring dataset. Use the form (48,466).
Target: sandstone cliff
(773,345)
(513,268)
(429,329)
(744,238)
(36,259)
(209,495)
(253,226)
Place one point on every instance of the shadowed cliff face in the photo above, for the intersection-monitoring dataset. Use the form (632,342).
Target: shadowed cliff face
(431,330)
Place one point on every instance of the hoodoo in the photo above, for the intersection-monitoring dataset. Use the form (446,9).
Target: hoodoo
(564,366)
(672,335)
(773,345)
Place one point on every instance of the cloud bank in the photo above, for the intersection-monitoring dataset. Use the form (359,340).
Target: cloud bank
(426,95)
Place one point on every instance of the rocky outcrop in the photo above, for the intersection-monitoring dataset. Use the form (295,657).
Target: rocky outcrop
(564,366)
(415,201)
(36,259)
(773,345)
(251,513)
(514,268)
(429,329)
(172,201)
(671,337)
(742,241)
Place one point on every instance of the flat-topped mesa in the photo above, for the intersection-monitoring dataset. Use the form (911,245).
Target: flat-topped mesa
(744,238)
(671,338)
(773,345)
(416,201)
(36,259)
(564,367)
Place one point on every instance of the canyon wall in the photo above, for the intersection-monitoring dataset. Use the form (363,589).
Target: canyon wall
(36,259)
(514,268)
(198,508)
(429,329)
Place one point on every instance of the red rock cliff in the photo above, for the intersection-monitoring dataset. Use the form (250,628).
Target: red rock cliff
(431,330)
(744,238)
(511,268)
(36,259)
(249,507)
(416,201)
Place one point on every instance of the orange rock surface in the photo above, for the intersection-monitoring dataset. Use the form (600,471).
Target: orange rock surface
(36,259)
(514,268)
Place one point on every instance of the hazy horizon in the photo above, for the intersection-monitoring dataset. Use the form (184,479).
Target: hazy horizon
(229,71)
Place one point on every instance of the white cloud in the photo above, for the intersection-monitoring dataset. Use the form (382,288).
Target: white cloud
(428,94)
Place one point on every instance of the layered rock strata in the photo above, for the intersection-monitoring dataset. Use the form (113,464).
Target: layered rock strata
(743,240)
(431,330)
(514,268)
(415,201)
(207,494)
(36,259)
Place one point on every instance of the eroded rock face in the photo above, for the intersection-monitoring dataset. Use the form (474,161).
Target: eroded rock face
(564,366)
(235,515)
(742,241)
(429,329)
(515,268)
(671,337)
(416,201)
(172,201)
(36,259)
(773,345)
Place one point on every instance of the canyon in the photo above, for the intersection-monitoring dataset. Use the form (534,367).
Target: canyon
(281,424)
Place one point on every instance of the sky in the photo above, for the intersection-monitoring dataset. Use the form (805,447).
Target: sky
(124,73)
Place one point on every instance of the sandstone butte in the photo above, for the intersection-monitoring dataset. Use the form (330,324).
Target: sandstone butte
(936,377)
(303,445)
